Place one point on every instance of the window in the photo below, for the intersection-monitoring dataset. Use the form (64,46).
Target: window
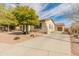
(50,26)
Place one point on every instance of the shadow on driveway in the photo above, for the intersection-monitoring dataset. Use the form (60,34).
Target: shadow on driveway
(16,33)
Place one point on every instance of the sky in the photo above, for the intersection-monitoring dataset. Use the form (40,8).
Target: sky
(55,11)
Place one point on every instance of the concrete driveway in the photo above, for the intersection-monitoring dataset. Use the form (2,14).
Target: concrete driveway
(49,45)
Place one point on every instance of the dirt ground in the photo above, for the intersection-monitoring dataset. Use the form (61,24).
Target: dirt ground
(75,46)
(16,37)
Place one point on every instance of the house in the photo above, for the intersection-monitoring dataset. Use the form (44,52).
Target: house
(46,26)
(60,27)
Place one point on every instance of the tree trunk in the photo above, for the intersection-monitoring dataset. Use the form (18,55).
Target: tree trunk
(24,28)
(27,29)
(8,28)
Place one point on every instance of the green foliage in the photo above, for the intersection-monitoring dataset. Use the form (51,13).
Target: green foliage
(6,17)
(11,20)
(26,15)
(20,15)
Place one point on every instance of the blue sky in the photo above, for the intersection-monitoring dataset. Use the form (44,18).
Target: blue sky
(55,11)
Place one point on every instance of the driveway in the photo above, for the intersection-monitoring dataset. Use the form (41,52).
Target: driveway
(49,45)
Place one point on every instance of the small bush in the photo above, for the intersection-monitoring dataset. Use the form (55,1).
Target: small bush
(16,38)
(32,35)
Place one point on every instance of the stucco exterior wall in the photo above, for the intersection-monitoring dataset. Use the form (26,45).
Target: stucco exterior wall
(48,26)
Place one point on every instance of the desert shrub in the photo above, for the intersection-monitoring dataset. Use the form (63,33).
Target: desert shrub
(16,38)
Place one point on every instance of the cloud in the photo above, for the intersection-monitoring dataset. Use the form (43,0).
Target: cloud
(9,5)
(36,6)
(56,11)
(44,6)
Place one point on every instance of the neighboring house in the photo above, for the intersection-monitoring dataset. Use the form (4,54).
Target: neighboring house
(60,27)
(46,26)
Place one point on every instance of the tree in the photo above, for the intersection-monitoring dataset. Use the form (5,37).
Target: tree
(73,13)
(75,27)
(26,16)
(7,18)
